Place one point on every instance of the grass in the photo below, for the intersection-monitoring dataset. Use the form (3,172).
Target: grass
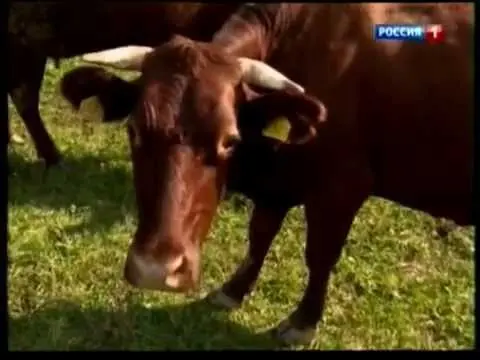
(398,284)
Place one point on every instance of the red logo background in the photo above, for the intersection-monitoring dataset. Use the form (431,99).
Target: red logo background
(434,34)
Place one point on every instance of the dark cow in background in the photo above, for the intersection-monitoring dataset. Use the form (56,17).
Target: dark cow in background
(399,126)
(37,31)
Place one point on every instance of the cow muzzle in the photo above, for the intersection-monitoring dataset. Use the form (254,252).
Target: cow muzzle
(172,274)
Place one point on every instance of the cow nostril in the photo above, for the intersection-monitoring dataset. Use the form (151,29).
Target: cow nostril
(177,266)
(182,268)
(231,141)
(176,273)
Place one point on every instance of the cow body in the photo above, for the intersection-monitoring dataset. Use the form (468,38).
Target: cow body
(396,129)
(400,126)
(377,91)
(57,30)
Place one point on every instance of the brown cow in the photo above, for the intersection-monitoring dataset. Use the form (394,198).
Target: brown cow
(400,126)
(58,30)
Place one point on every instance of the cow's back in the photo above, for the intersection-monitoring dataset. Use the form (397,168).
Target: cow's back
(61,30)
(404,109)
(417,114)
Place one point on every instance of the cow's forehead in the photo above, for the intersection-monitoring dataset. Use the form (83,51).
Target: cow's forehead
(185,105)
(191,59)
(187,87)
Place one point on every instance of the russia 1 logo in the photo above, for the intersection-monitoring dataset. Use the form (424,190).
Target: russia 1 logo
(434,34)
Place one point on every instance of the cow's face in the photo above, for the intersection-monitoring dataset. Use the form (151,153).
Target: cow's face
(183,128)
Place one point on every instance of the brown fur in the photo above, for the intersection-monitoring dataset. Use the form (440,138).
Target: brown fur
(172,72)
(57,30)
(400,126)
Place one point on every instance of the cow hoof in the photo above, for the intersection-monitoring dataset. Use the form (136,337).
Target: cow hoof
(222,300)
(16,139)
(290,335)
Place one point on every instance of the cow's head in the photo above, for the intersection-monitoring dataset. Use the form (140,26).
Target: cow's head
(183,128)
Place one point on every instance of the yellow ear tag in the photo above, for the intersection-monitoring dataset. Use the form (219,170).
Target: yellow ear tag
(91,107)
(278,129)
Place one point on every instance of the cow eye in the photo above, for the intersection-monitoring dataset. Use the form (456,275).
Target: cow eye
(231,141)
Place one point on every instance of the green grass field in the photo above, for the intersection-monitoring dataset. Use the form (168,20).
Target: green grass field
(398,284)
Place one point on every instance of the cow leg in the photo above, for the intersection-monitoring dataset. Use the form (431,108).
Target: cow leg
(24,90)
(329,215)
(264,225)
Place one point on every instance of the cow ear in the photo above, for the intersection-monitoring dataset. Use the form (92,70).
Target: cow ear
(99,93)
(286,116)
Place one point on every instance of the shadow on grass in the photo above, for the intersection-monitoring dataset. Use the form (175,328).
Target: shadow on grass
(64,325)
(89,183)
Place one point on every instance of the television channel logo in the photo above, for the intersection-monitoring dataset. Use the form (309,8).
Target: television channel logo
(432,34)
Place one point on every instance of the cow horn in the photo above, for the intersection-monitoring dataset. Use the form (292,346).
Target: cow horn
(123,58)
(258,73)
